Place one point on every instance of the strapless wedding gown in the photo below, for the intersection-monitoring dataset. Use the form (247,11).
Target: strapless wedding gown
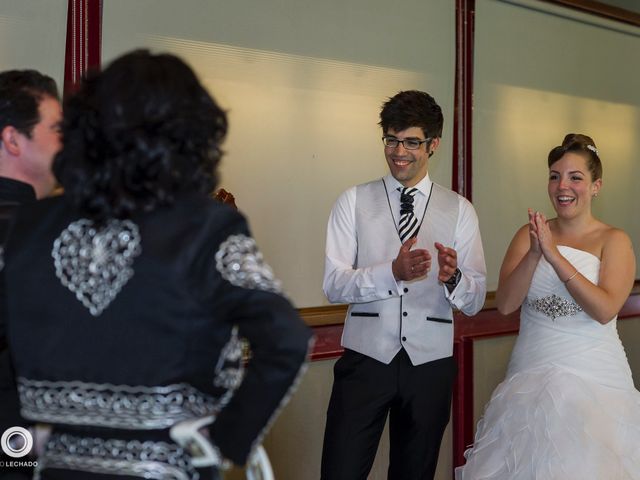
(567,408)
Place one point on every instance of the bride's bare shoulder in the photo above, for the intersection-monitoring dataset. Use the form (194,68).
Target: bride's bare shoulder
(615,240)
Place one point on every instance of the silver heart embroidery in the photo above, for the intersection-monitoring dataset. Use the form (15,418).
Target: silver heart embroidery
(96,263)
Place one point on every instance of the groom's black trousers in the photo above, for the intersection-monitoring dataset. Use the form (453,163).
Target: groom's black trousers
(418,401)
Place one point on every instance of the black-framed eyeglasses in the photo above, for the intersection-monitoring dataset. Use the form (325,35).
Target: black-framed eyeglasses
(408,143)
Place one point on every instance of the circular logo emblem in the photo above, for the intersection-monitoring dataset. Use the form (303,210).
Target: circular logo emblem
(16,442)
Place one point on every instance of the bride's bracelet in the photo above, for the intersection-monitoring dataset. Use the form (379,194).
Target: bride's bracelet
(571,277)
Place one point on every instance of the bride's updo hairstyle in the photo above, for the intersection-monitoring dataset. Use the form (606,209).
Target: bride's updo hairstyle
(136,135)
(581,144)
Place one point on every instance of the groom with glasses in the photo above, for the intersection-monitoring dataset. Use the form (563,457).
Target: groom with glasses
(383,238)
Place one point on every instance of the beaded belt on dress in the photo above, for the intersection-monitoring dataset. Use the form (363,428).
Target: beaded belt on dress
(554,306)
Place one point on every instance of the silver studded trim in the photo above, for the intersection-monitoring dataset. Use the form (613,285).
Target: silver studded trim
(96,263)
(115,406)
(154,460)
(230,367)
(229,371)
(132,407)
(554,306)
(241,263)
(285,400)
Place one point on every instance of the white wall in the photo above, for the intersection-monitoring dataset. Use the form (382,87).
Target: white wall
(542,72)
(33,36)
(303,81)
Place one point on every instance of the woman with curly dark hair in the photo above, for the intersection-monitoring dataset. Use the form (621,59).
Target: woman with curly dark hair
(137,135)
(131,297)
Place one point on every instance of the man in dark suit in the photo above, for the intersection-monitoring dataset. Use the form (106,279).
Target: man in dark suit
(30,116)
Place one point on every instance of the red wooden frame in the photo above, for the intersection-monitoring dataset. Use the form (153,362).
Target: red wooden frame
(83,52)
(84,41)
(601,9)
(486,324)
(463,99)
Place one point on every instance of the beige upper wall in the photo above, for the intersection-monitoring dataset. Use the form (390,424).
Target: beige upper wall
(541,72)
(33,36)
(303,81)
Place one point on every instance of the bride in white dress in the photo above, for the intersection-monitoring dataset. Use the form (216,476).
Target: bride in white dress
(567,408)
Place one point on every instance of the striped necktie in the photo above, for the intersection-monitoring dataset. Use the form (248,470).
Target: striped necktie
(408,226)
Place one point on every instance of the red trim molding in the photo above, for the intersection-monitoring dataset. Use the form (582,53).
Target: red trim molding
(486,324)
(84,31)
(462,405)
(601,9)
(463,99)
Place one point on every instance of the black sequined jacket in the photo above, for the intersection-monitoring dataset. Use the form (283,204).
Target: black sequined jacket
(121,332)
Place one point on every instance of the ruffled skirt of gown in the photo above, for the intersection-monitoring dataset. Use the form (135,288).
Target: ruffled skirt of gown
(568,408)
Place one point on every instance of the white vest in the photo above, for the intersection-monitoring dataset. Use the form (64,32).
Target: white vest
(421,320)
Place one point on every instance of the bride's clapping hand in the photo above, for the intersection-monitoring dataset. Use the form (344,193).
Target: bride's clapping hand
(545,239)
(534,246)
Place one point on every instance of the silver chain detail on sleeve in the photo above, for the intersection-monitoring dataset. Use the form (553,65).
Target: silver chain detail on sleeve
(230,367)
(241,263)
(284,401)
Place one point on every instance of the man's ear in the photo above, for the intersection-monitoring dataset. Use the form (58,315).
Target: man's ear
(9,137)
(433,146)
